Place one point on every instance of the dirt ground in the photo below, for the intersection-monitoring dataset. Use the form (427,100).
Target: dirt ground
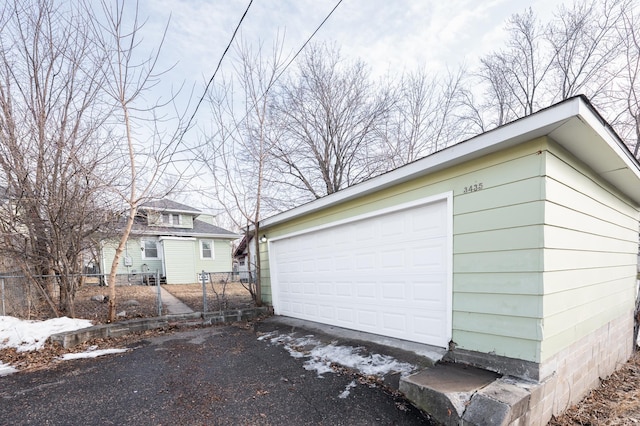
(219,297)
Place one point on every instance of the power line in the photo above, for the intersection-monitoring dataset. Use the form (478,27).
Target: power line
(206,89)
(303,46)
(287,65)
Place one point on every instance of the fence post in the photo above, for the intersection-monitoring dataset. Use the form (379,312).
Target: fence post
(159,293)
(204,293)
(2,283)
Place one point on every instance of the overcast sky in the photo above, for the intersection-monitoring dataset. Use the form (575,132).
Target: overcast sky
(389,35)
(384,33)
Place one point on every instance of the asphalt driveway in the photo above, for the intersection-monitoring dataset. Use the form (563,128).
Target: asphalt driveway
(207,376)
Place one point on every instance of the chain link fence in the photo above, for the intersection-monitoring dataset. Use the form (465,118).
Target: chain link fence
(137,295)
(32,297)
(215,291)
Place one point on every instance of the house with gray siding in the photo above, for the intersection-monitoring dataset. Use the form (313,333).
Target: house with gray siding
(515,251)
(173,240)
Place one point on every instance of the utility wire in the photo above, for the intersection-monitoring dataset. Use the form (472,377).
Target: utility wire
(286,66)
(206,89)
(301,48)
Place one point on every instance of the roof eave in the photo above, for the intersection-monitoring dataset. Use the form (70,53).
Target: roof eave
(576,113)
(190,234)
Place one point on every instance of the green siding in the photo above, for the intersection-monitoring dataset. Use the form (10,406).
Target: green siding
(180,264)
(519,348)
(221,261)
(495,273)
(265,280)
(517,238)
(155,219)
(499,325)
(499,283)
(544,254)
(591,240)
(133,251)
(514,216)
(183,262)
(182,257)
(187,222)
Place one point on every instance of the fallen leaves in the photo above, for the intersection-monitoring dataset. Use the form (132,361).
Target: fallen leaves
(51,353)
(615,402)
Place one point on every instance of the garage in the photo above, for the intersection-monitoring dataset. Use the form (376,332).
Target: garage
(516,250)
(385,272)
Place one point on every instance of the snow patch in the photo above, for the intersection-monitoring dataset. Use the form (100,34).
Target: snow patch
(321,356)
(267,336)
(347,390)
(92,353)
(29,335)
(6,369)
(367,364)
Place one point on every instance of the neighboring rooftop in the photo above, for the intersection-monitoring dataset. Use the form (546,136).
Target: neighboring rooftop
(200,229)
(168,206)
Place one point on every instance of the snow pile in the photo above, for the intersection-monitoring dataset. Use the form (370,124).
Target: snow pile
(25,335)
(321,356)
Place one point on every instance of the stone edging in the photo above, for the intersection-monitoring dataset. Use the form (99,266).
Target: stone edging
(69,339)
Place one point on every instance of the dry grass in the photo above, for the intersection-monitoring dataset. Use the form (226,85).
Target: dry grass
(220,296)
(146,296)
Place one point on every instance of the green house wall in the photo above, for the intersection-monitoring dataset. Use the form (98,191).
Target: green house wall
(184,262)
(180,265)
(182,258)
(133,251)
(520,246)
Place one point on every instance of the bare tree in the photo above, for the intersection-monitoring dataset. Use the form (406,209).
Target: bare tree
(626,94)
(53,151)
(514,76)
(330,113)
(588,48)
(425,118)
(584,43)
(237,155)
(148,159)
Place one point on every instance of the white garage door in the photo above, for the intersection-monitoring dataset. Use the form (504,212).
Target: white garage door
(385,274)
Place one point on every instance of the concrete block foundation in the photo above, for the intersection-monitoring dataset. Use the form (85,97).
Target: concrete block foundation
(457,394)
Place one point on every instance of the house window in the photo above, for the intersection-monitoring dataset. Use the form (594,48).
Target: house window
(171,219)
(150,249)
(206,249)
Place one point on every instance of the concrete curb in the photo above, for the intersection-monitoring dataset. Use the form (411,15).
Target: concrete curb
(455,394)
(69,339)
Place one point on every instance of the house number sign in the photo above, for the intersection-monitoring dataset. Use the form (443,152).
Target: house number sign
(473,188)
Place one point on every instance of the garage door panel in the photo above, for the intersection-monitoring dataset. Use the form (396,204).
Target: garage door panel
(324,265)
(385,274)
(367,318)
(394,291)
(395,322)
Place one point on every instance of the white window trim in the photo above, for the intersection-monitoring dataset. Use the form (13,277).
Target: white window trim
(213,252)
(144,251)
